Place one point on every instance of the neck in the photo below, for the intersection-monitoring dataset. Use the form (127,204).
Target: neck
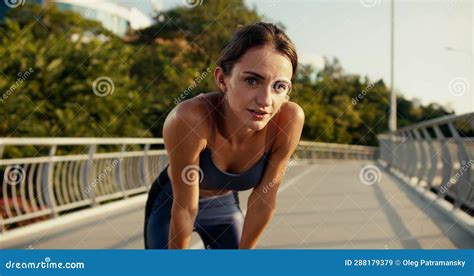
(232,128)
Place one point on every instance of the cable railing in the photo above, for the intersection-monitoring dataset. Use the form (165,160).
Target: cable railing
(36,188)
(437,155)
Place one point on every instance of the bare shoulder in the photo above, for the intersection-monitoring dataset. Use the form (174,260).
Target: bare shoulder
(290,126)
(291,111)
(187,125)
(189,111)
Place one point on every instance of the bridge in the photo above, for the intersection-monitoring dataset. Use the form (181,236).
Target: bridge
(413,191)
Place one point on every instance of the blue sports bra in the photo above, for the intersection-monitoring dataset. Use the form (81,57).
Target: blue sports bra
(213,178)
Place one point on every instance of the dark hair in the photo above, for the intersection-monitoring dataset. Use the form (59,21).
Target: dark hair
(252,36)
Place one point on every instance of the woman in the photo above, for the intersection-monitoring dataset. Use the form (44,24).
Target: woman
(238,138)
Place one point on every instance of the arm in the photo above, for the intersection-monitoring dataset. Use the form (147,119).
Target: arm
(262,201)
(183,134)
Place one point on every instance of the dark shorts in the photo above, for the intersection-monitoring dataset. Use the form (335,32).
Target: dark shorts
(219,221)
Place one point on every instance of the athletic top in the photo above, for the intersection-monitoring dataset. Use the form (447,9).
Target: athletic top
(212,178)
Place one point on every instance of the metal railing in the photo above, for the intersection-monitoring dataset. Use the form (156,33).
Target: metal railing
(435,155)
(318,150)
(40,188)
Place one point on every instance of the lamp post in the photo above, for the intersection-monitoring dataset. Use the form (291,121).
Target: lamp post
(392,123)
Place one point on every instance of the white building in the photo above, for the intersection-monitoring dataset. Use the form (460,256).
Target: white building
(116,18)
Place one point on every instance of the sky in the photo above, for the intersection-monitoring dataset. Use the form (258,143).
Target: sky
(357,32)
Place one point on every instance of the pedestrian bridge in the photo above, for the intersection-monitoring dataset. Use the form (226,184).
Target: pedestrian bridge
(413,191)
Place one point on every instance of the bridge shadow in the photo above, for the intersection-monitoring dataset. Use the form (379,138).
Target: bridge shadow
(447,225)
(399,217)
(395,220)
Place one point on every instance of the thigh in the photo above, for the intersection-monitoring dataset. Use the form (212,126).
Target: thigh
(157,226)
(224,235)
(157,232)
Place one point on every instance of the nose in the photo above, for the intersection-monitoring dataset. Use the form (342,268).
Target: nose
(264,97)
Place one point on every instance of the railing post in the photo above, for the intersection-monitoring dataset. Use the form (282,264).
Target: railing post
(412,157)
(145,172)
(433,164)
(389,149)
(453,130)
(446,160)
(421,164)
(439,134)
(118,172)
(462,155)
(90,174)
(47,182)
(440,162)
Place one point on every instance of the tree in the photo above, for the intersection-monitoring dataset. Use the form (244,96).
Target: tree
(50,69)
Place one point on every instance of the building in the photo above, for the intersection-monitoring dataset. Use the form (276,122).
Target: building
(116,18)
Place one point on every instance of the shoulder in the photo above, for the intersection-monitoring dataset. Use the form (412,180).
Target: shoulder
(189,111)
(189,117)
(290,126)
(291,111)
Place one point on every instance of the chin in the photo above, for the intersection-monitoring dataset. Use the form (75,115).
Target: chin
(257,126)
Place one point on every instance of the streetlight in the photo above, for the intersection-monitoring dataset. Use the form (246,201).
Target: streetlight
(392,123)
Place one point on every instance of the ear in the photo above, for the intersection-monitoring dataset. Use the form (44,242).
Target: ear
(220,79)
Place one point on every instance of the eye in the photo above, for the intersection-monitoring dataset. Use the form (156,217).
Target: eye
(252,81)
(281,87)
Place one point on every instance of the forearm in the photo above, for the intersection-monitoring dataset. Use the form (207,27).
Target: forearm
(256,220)
(181,228)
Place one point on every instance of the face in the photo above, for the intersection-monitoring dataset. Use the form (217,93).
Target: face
(257,86)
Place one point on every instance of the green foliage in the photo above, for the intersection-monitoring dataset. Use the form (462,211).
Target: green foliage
(343,108)
(56,97)
(58,55)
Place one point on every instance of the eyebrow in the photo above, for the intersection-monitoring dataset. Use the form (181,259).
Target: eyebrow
(260,76)
(254,74)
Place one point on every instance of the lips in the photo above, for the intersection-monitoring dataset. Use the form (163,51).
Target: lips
(258,112)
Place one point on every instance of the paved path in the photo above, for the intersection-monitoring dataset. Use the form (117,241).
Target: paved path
(323,205)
